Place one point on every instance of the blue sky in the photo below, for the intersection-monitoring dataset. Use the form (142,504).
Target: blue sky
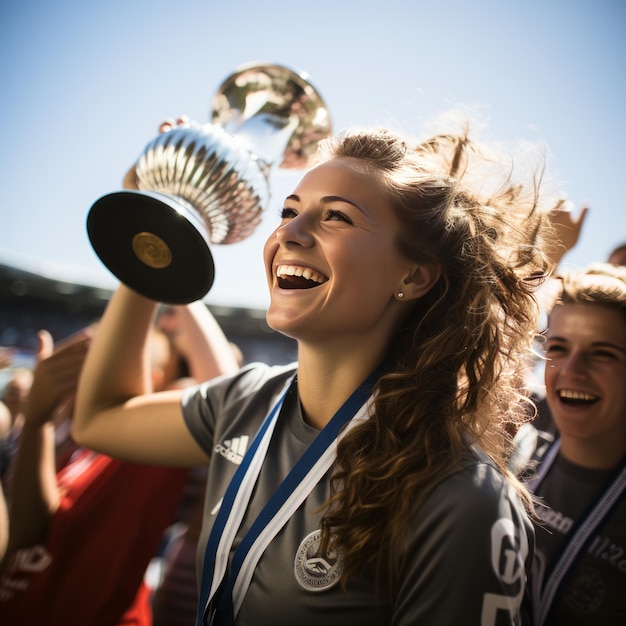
(85,86)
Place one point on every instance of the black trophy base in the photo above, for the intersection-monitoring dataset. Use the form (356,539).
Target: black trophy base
(153,244)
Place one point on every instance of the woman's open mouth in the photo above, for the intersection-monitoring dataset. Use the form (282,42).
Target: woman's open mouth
(298,277)
(576,398)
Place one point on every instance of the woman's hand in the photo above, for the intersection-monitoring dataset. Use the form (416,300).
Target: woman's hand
(130,179)
(56,374)
(567,227)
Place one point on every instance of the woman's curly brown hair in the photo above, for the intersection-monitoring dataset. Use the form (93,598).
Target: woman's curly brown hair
(458,362)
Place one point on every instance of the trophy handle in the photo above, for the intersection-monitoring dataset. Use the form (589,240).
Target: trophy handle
(207,183)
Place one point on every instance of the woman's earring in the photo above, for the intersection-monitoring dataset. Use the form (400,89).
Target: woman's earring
(400,295)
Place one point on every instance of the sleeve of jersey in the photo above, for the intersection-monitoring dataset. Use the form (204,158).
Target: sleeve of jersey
(469,554)
(203,405)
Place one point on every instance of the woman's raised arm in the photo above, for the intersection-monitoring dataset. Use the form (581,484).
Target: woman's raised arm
(116,411)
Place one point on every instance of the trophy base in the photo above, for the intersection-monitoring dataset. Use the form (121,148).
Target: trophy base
(153,244)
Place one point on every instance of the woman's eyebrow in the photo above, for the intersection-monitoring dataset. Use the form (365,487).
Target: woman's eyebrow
(556,338)
(328,199)
(594,344)
(608,344)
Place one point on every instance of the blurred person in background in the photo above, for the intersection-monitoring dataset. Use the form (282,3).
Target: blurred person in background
(175,598)
(617,256)
(81,538)
(5,427)
(14,397)
(579,571)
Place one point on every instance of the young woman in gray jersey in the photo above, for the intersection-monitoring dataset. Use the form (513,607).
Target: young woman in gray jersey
(367,483)
(579,574)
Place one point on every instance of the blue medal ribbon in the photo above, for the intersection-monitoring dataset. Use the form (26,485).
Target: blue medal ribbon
(208,585)
(217,608)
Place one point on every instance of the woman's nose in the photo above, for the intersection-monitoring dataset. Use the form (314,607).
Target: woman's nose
(297,230)
(575,366)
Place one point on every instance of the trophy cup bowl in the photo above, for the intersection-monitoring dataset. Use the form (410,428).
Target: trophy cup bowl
(201,184)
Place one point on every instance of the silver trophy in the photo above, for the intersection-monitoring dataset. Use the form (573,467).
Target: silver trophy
(207,183)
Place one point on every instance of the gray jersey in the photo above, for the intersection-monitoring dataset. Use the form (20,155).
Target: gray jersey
(594,590)
(467,550)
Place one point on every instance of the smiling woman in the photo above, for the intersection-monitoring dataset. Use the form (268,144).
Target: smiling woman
(580,569)
(366,483)
(339,227)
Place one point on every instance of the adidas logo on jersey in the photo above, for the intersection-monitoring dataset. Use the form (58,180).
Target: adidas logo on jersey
(233,449)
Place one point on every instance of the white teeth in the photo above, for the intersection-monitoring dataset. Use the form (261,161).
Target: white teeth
(298,270)
(569,394)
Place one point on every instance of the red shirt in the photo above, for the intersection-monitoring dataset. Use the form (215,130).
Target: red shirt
(90,569)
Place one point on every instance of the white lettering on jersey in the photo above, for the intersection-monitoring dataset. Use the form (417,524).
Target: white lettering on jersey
(509,550)
(24,562)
